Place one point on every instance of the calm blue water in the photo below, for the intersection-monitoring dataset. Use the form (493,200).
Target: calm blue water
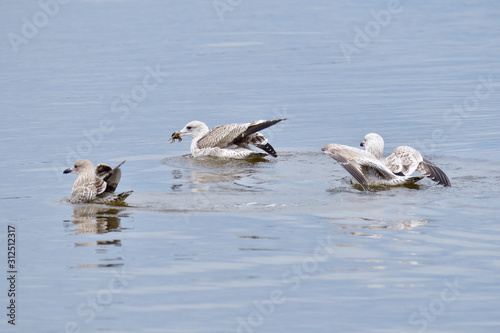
(286,245)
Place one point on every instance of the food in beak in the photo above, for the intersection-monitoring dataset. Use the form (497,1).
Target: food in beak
(175,136)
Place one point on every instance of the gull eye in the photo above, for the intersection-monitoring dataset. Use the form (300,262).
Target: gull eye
(75,166)
(188,128)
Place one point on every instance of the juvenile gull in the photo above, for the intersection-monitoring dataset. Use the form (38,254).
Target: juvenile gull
(96,185)
(369,169)
(229,141)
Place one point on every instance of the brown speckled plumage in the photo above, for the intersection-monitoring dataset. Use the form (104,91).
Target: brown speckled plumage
(96,185)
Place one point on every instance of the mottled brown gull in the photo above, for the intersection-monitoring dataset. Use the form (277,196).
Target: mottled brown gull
(96,185)
(228,141)
(369,169)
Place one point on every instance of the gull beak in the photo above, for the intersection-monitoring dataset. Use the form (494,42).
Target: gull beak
(180,133)
(68,170)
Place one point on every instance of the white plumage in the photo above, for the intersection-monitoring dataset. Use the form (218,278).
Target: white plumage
(369,169)
(228,141)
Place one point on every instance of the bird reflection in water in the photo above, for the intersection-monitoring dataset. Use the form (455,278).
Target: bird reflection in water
(209,173)
(96,219)
(205,181)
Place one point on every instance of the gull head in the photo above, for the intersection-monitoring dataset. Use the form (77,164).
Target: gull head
(372,139)
(373,144)
(81,167)
(193,129)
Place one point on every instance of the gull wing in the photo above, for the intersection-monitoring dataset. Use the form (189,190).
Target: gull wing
(226,135)
(260,141)
(110,176)
(258,125)
(430,170)
(222,136)
(404,160)
(358,163)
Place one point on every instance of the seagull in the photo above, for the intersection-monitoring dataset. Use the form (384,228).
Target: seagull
(369,169)
(96,185)
(228,141)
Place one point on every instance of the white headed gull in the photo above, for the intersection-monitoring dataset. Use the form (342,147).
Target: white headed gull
(369,169)
(228,141)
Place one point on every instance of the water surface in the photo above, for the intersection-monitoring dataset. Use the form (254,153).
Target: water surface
(279,245)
